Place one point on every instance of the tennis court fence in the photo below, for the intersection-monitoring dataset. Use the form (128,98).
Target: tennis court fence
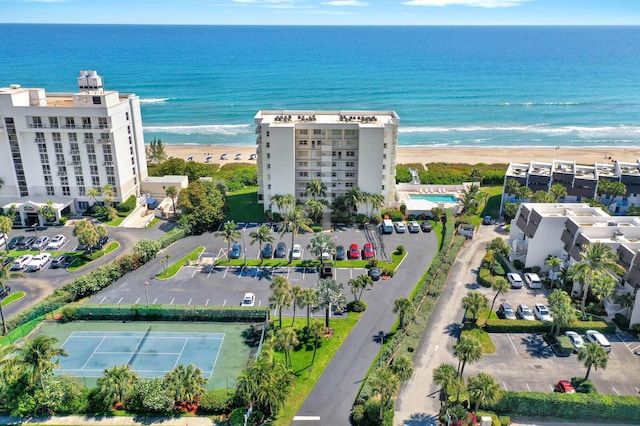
(168,313)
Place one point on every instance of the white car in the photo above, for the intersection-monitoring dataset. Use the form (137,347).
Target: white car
(57,242)
(542,313)
(525,313)
(515,280)
(296,252)
(413,227)
(400,228)
(576,340)
(594,336)
(326,255)
(248,300)
(533,280)
(38,262)
(21,262)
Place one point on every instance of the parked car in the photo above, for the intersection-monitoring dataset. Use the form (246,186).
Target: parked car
(413,227)
(515,279)
(4,261)
(281,250)
(101,242)
(542,313)
(236,251)
(565,386)
(296,252)
(594,336)
(4,291)
(400,228)
(26,243)
(38,262)
(57,242)
(576,340)
(60,261)
(505,312)
(13,244)
(368,252)
(21,262)
(426,226)
(525,313)
(40,243)
(267,251)
(354,251)
(340,253)
(532,280)
(375,273)
(248,300)
(487,220)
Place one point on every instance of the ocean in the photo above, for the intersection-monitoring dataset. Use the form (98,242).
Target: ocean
(451,86)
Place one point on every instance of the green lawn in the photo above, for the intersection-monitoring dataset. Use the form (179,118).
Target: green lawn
(81,259)
(485,339)
(116,222)
(492,208)
(13,297)
(175,267)
(308,374)
(244,206)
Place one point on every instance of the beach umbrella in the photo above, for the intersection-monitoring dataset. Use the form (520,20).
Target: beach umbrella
(190,158)
(208,158)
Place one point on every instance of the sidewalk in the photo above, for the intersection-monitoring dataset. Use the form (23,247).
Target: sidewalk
(82,420)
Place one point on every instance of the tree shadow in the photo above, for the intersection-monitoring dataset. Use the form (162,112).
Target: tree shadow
(536,346)
(453,329)
(252,335)
(422,419)
(167,226)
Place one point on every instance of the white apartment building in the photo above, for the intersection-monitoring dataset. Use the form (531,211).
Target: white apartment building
(343,149)
(56,146)
(564,229)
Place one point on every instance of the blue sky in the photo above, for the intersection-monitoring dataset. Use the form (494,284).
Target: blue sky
(324,12)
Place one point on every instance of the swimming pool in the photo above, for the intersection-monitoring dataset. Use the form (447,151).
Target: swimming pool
(435,198)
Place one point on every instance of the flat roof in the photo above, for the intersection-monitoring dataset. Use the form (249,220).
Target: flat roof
(362,118)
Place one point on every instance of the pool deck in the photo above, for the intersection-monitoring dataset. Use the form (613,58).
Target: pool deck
(418,206)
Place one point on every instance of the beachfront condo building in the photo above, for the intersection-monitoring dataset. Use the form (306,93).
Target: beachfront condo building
(563,230)
(345,150)
(580,181)
(55,147)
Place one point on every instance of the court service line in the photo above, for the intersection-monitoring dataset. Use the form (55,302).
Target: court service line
(215,361)
(180,354)
(93,353)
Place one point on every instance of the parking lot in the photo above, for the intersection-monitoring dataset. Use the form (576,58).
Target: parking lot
(222,285)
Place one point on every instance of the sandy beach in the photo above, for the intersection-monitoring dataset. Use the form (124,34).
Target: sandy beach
(425,155)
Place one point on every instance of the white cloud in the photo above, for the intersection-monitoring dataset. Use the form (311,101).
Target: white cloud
(473,3)
(346,3)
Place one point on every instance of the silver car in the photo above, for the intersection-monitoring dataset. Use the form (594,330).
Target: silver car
(576,340)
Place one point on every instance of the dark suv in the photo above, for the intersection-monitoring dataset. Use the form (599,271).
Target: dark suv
(267,251)
(101,242)
(281,250)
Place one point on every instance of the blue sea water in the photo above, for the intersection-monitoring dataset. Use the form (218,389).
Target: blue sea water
(451,86)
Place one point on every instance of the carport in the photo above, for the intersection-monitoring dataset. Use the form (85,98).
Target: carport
(28,208)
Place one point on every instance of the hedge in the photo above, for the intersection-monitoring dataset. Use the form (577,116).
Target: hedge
(519,326)
(128,205)
(596,407)
(169,313)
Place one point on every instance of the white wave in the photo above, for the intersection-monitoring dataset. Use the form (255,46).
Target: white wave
(582,131)
(154,100)
(205,129)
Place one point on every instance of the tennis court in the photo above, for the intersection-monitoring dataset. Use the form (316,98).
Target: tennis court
(220,350)
(149,353)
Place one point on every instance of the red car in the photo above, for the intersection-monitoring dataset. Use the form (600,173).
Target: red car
(354,252)
(368,251)
(565,386)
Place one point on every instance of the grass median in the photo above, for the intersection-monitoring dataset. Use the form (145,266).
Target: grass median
(172,270)
(13,297)
(83,259)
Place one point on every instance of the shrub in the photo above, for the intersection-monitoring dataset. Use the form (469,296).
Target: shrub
(372,263)
(583,386)
(317,228)
(518,264)
(622,321)
(218,401)
(237,417)
(62,220)
(128,205)
(172,236)
(400,249)
(495,420)
(356,306)
(516,326)
(564,344)
(150,396)
(69,314)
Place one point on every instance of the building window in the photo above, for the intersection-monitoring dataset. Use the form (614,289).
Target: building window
(348,184)
(110,171)
(66,191)
(88,138)
(57,147)
(53,122)
(77,170)
(317,132)
(103,123)
(350,174)
(39,137)
(82,191)
(268,165)
(268,155)
(268,144)
(350,153)
(80,180)
(302,142)
(70,122)
(95,181)
(350,164)
(46,169)
(93,170)
(334,174)
(350,132)
(50,190)
(304,131)
(336,132)
(111,180)
(97,100)
(86,122)
(383,187)
(56,137)
(267,133)
(303,174)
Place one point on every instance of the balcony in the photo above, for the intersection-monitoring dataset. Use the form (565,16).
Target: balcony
(107,163)
(70,126)
(104,140)
(62,174)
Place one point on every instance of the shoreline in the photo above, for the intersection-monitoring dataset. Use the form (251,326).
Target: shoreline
(415,154)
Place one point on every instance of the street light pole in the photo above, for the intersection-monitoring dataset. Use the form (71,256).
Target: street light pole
(146,291)
(244,244)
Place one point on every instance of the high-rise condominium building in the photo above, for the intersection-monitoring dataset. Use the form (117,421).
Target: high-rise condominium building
(345,150)
(55,147)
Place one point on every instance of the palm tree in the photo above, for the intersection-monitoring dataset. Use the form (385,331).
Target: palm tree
(555,263)
(467,350)
(402,367)
(474,302)
(376,201)
(116,384)
(283,203)
(281,295)
(6,274)
(626,300)
(330,293)
(469,199)
(341,206)
(354,198)
(484,389)
(500,286)
(558,191)
(315,208)
(359,284)
(597,259)
(295,220)
(445,376)
(296,291)
(316,188)
(261,236)
(172,192)
(594,356)
(438,213)
(94,193)
(386,384)
(107,194)
(5,227)
(563,313)
(542,197)
(34,358)
(403,307)
(285,340)
(316,331)
(229,235)
(511,186)
(321,243)
(185,384)
(308,298)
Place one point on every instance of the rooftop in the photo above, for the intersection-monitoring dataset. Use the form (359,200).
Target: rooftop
(362,118)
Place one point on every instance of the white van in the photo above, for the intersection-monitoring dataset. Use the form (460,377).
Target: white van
(533,280)
(387,226)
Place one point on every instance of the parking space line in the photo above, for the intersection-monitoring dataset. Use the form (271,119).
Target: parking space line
(120,300)
(550,387)
(505,386)
(194,272)
(225,272)
(103,300)
(614,389)
(638,389)
(172,300)
(512,345)
(288,271)
(137,301)
(155,300)
(207,303)
(260,302)
(189,302)
(528,388)
(208,273)
(224,303)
